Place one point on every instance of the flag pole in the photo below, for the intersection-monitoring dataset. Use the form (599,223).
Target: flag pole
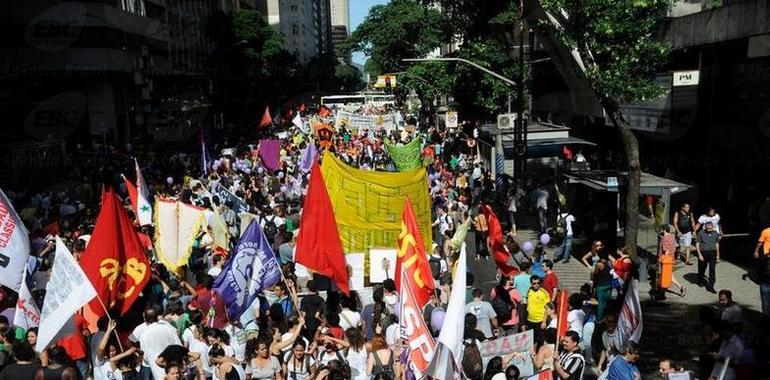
(107,313)
(292,294)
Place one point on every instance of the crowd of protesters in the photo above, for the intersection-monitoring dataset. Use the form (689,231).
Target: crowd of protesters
(302,328)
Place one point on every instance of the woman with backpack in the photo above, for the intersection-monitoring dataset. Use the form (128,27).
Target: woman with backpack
(381,360)
(505,301)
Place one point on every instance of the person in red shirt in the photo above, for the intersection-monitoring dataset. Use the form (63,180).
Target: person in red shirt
(75,344)
(551,280)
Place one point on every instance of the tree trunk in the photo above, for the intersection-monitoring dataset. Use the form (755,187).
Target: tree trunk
(631,147)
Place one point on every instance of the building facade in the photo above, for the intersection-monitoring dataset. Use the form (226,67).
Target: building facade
(305,25)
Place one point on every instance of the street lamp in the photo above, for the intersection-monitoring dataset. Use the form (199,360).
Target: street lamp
(508,81)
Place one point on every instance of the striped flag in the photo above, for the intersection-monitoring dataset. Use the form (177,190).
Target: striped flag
(447,359)
(630,318)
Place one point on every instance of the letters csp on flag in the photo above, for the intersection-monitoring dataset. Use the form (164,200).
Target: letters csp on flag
(252,267)
(413,329)
(412,260)
(67,290)
(14,245)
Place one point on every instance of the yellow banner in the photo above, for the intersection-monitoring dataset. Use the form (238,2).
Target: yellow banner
(368,205)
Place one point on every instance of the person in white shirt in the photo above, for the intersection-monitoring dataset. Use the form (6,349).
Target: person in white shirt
(712,217)
(348,317)
(731,312)
(216,267)
(540,198)
(153,336)
(576,316)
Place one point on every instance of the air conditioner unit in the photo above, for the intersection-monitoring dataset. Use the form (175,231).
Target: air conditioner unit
(506,121)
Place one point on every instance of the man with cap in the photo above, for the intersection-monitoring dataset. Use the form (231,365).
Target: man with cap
(707,247)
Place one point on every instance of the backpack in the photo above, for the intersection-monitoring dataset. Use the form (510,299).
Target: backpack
(472,363)
(271,229)
(561,225)
(502,309)
(386,372)
(435,267)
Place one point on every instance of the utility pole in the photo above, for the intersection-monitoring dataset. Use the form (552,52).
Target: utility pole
(520,127)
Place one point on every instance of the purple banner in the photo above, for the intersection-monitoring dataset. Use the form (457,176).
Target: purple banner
(269,151)
(308,157)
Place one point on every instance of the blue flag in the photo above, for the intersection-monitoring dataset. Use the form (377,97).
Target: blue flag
(252,267)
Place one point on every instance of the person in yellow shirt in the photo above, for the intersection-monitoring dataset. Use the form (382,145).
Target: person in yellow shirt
(537,298)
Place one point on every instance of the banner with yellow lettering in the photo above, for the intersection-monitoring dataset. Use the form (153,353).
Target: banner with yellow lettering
(368,205)
(412,259)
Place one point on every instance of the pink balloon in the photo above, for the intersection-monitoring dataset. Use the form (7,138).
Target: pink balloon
(545,239)
(527,247)
(170,180)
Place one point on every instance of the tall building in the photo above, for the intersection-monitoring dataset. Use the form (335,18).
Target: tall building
(340,17)
(305,25)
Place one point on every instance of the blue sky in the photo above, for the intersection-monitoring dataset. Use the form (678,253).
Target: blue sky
(358,11)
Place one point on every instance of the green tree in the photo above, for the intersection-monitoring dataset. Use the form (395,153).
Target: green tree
(615,41)
(397,30)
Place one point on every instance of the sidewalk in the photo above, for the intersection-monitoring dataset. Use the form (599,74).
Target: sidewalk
(672,326)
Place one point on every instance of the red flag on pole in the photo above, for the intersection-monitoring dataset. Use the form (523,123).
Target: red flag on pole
(133,194)
(114,260)
(496,243)
(411,256)
(318,244)
(324,112)
(414,329)
(561,308)
(267,120)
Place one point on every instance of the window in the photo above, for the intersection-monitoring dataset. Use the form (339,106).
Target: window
(295,29)
(293,8)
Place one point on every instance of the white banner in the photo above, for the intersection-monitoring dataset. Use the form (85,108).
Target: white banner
(27,314)
(371,122)
(14,245)
(521,343)
(67,291)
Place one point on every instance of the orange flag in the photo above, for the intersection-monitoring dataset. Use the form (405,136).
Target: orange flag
(114,260)
(267,120)
(318,244)
(411,256)
(324,112)
(496,243)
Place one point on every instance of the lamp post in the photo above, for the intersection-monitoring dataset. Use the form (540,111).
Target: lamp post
(521,125)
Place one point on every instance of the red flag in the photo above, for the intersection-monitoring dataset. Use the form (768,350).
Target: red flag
(324,112)
(114,259)
(411,255)
(415,331)
(133,194)
(561,307)
(302,107)
(496,243)
(318,244)
(267,120)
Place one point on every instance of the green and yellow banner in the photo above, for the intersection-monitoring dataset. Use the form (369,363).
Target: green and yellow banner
(406,157)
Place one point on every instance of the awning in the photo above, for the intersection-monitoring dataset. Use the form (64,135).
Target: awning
(649,184)
(543,140)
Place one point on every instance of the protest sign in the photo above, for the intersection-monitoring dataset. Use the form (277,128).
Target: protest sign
(521,343)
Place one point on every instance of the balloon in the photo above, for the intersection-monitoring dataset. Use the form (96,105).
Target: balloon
(437,319)
(280,175)
(170,180)
(527,247)
(260,170)
(545,239)
(284,188)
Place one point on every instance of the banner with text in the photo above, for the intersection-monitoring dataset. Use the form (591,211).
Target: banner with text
(521,343)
